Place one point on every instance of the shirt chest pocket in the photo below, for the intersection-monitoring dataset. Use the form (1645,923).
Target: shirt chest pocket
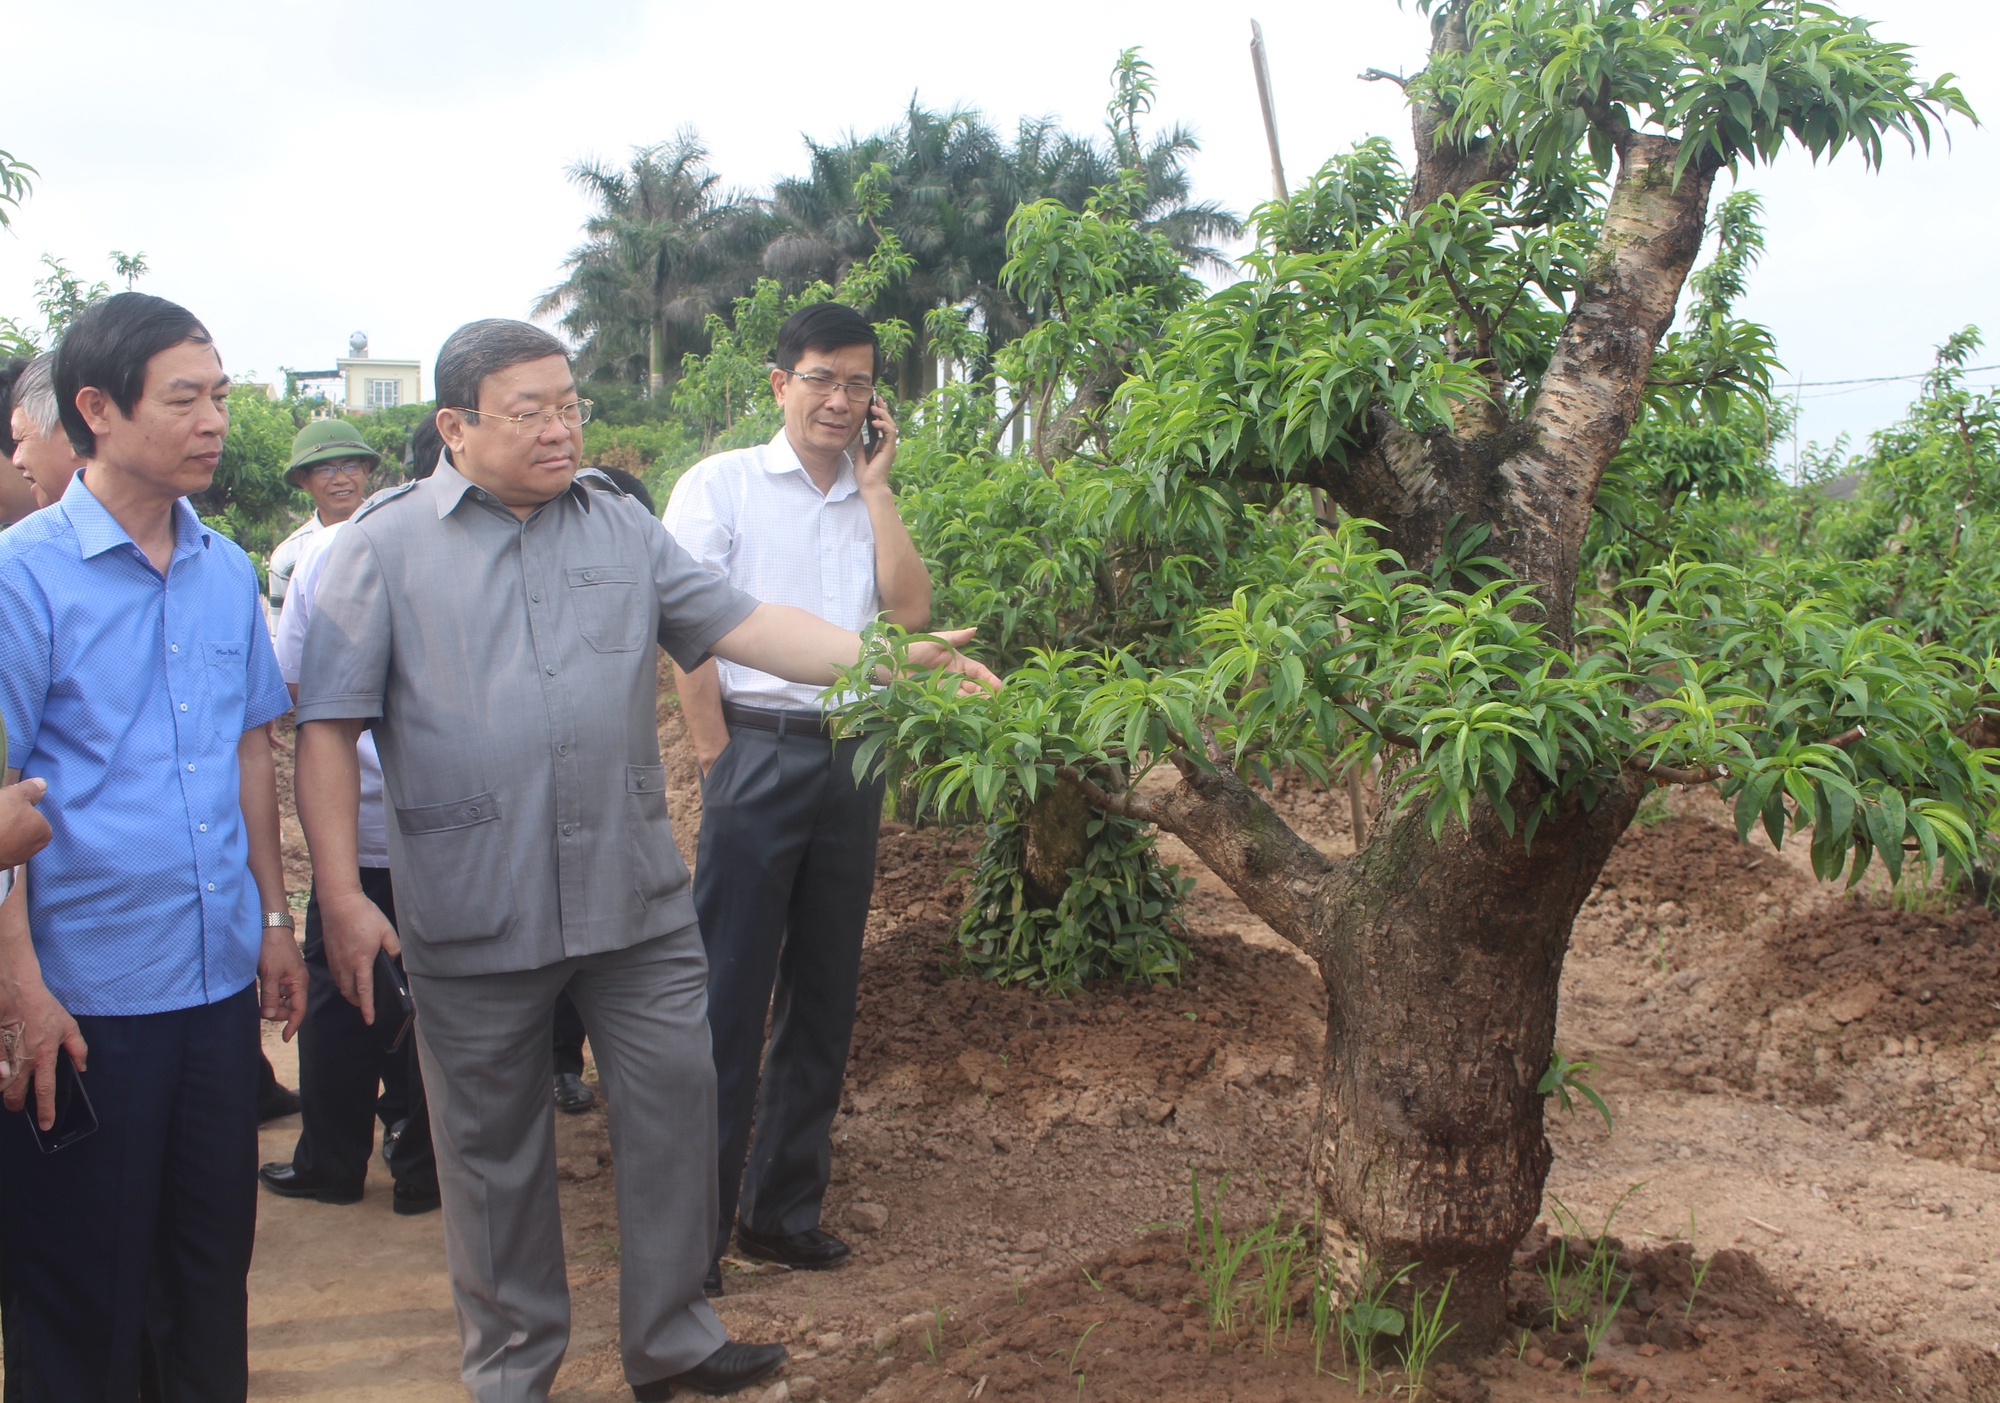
(226,684)
(610,610)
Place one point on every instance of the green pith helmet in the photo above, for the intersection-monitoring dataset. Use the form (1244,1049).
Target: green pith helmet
(325,439)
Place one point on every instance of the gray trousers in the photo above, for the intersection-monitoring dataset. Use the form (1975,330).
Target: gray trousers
(782,884)
(488,1064)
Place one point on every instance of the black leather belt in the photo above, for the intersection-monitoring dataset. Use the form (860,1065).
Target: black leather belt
(785,723)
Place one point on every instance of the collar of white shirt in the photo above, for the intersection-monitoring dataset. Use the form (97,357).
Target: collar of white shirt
(781,457)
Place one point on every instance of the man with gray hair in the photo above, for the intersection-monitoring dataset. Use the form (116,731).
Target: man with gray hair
(42,450)
(495,624)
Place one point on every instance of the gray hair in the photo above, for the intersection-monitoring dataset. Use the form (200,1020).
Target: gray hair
(479,349)
(35,394)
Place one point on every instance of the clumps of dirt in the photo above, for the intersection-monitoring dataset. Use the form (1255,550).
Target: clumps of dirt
(1227,1051)
(1735,1327)
(1857,1015)
(1131,1324)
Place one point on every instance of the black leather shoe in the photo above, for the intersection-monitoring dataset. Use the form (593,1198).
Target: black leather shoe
(573,1094)
(732,1367)
(414,1196)
(285,1181)
(711,1285)
(275,1102)
(811,1250)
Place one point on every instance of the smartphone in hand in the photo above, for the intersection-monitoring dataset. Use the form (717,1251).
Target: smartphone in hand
(392,998)
(871,437)
(75,1117)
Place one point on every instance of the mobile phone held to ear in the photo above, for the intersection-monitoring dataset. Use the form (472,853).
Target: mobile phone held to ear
(392,998)
(871,437)
(74,1116)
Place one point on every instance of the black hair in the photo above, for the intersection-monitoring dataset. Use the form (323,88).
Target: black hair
(10,371)
(631,485)
(107,347)
(825,326)
(426,443)
(479,349)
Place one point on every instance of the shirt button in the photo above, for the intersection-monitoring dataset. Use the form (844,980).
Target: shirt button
(190,769)
(473,812)
(184,706)
(535,598)
(173,647)
(590,574)
(211,886)
(549,670)
(568,828)
(562,750)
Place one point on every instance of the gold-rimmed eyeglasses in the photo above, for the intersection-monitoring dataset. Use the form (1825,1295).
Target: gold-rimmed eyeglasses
(573,415)
(826,387)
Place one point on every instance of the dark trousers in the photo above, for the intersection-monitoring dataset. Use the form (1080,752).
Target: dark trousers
(342,1062)
(782,881)
(124,1254)
(569,1036)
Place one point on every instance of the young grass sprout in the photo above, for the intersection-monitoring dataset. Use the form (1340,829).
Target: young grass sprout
(1699,1268)
(1427,1332)
(1217,1256)
(1368,1318)
(1277,1260)
(1565,1076)
(1595,1329)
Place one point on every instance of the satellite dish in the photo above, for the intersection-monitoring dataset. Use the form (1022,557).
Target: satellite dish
(357,344)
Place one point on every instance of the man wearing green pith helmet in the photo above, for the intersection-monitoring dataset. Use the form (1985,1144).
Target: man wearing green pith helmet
(331,463)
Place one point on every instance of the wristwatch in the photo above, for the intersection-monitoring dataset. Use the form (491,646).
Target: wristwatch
(278,920)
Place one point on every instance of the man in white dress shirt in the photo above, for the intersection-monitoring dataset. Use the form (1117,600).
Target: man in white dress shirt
(786,864)
(343,1058)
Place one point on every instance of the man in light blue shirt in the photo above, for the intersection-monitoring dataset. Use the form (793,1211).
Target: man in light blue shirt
(136,679)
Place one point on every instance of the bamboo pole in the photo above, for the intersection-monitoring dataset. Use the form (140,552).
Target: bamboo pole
(1261,66)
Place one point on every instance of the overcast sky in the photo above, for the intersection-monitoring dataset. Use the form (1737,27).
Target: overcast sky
(297,172)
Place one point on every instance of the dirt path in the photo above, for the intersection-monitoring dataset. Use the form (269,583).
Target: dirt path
(995,1144)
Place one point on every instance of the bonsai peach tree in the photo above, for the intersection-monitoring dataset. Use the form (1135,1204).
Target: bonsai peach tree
(1451,356)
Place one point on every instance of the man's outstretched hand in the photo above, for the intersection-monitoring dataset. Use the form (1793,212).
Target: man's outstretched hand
(945,654)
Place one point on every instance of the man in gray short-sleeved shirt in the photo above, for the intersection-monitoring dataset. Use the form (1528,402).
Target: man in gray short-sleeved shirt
(495,625)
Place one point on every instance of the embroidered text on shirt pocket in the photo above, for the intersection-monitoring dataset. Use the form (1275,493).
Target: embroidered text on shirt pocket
(462,845)
(610,611)
(228,682)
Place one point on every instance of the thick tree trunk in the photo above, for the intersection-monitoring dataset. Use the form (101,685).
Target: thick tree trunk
(1442,961)
(1058,838)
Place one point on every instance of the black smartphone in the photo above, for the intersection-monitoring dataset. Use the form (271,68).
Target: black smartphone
(392,999)
(75,1118)
(871,437)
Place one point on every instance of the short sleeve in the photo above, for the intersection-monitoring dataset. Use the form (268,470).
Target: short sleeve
(344,666)
(701,516)
(265,690)
(697,606)
(290,635)
(26,635)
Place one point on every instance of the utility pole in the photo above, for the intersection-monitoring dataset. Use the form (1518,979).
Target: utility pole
(1262,66)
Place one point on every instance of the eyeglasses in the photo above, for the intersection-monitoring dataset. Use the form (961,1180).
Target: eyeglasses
(352,467)
(826,387)
(573,415)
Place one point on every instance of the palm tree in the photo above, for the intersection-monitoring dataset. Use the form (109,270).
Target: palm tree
(954,182)
(666,246)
